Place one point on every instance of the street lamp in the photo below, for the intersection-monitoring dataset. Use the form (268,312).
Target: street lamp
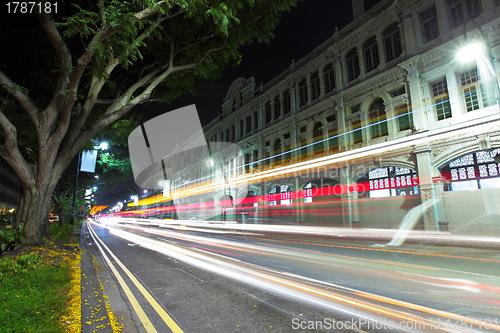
(481,52)
(102,145)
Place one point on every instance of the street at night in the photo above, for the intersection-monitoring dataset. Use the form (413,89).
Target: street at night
(253,281)
(249,166)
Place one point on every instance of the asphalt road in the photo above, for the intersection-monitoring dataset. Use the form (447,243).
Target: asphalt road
(223,281)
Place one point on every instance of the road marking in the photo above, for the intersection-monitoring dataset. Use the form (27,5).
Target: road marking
(383,250)
(142,316)
(353,258)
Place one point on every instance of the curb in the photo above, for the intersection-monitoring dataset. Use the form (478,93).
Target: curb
(95,315)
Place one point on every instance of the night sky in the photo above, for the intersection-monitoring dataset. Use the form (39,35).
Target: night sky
(307,26)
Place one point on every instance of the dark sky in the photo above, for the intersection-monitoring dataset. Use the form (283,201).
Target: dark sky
(307,26)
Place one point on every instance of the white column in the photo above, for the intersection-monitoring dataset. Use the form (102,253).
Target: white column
(414,80)
(453,93)
(429,190)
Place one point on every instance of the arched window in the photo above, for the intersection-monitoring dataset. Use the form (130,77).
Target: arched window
(329,78)
(287,102)
(477,170)
(392,41)
(352,60)
(303,92)
(370,51)
(315,88)
(377,119)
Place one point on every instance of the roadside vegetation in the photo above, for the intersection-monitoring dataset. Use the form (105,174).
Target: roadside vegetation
(26,304)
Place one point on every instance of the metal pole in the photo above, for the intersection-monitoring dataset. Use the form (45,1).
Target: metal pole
(76,185)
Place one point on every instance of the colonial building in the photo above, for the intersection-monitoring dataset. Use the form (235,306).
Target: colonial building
(390,82)
(10,189)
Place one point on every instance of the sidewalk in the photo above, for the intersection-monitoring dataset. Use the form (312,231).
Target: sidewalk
(95,314)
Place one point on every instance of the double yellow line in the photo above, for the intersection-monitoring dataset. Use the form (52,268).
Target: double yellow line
(148,326)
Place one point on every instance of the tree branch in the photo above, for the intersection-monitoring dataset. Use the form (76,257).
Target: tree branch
(11,154)
(62,52)
(22,97)
(152,10)
(101,12)
(104,101)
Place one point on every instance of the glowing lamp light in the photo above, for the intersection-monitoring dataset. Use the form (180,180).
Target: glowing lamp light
(103,145)
(210,162)
(470,52)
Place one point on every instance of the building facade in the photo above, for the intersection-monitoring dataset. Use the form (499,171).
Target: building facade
(389,82)
(10,190)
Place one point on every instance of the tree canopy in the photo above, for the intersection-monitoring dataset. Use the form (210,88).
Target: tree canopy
(69,71)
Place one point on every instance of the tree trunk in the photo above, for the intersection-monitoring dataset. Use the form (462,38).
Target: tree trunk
(34,213)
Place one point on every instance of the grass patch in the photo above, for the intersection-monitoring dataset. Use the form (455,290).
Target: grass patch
(40,291)
(32,301)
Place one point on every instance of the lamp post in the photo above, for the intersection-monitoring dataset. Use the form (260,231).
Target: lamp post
(481,52)
(476,51)
(103,146)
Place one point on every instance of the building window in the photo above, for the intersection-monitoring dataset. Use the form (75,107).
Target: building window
(267,110)
(463,10)
(430,24)
(474,171)
(277,107)
(441,100)
(370,51)
(329,78)
(256,118)
(233,134)
(249,124)
(241,128)
(308,195)
(356,131)
(392,181)
(405,118)
(352,60)
(302,92)
(287,101)
(378,119)
(247,161)
(477,95)
(392,41)
(255,158)
(277,151)
(315,88)
(318,136)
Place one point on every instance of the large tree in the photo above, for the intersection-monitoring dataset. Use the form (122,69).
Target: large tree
(66,76)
